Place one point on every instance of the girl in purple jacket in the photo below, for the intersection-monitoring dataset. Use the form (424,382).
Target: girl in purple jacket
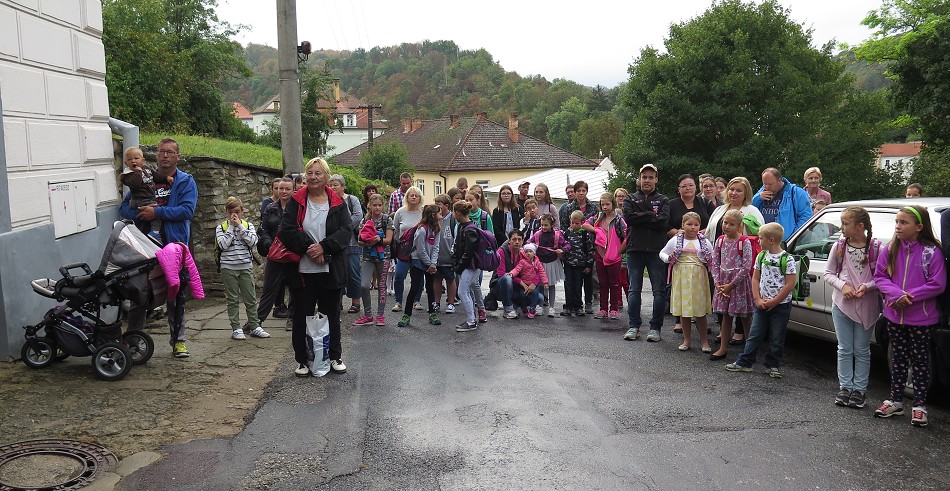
(910,276)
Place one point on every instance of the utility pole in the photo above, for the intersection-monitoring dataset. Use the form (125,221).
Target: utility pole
(291,135)
(369,120)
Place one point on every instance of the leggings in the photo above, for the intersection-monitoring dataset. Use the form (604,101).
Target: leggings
(369,270)
(910,344)
(416,277)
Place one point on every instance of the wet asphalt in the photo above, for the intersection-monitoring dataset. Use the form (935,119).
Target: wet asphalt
(559,403)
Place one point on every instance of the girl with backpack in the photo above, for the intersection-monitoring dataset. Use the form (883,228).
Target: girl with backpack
(463,263)
(688,253)
(480,217)
(731,262)
(551,246)
(234,240)
(610,232)
(856,303)
(425,259)
(910,276)
(375,236)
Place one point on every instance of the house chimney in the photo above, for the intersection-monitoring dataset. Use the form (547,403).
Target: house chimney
(513,128)
(416,124)
(407,125)
(453,120)
(336,90)
(482,116)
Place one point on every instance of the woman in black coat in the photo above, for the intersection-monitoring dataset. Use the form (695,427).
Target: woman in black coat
(316,225)
(507,215)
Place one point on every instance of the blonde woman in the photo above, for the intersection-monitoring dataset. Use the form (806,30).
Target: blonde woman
(813,186)
(404,219)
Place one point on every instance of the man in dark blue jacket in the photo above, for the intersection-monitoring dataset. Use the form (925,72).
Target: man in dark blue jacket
(176,201)
(646,212)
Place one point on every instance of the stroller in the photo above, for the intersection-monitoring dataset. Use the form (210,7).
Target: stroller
(126,275)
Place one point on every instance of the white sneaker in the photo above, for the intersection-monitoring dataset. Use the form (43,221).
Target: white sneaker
(417,306)
(238,334)
(259,332)
(551,311)
(302,371)
(397,307)
(450,308)
(337,366)
(511,314)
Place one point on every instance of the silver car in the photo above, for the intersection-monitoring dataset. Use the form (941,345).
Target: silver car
(812,316)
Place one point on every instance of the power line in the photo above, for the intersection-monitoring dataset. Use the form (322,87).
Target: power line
(336,42)
(369,43)
(339,19)
(356,24)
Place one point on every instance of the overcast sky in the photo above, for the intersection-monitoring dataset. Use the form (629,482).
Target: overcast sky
(591,42)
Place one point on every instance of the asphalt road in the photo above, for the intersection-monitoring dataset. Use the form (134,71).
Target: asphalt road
(561,403)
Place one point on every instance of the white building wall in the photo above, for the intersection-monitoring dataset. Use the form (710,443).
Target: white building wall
(55,103)
(350,138)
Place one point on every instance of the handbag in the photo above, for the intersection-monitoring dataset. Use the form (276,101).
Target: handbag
(280,254)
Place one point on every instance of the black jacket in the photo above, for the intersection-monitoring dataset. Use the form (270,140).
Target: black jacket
(270,221)
(339,232)
(581,254)
(647,219)
(701,206)
(498,223)
(464,251)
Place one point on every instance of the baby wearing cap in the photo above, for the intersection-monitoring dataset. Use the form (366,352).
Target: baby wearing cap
(531,273)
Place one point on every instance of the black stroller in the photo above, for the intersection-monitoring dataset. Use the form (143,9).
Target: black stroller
(127,274)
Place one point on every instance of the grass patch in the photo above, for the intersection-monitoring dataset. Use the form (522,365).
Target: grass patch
(248,153)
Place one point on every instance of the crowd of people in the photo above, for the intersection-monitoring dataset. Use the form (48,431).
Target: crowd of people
(716,248)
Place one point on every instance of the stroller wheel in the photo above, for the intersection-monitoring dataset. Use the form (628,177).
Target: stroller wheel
(140,346)
(39,352)
(111,361)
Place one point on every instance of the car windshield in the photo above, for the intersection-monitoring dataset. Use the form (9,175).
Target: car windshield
(816,241)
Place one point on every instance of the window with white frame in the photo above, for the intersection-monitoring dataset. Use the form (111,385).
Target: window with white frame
(484,183)
(421,184)
(437,187)
(349,120)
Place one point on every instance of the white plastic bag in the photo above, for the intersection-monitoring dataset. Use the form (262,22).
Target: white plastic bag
(318,344)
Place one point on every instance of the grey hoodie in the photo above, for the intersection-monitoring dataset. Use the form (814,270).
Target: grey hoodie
(425,246)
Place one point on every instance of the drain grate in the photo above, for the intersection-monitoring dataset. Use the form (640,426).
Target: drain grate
(52,464)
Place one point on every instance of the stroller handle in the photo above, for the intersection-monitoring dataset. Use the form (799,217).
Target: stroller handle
(65,269)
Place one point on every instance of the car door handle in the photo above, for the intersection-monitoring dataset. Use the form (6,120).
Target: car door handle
(813,278)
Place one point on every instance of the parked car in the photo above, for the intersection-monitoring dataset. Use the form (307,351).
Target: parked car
(812,316)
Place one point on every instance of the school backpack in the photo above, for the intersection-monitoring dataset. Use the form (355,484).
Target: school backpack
(402,247)
(217,249)
(874,250)
(802,288)
(486,257)
(753,242)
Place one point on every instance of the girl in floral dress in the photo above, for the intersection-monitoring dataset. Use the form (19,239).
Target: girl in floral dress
(731,263)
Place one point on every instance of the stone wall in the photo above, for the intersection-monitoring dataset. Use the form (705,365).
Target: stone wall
(217,179)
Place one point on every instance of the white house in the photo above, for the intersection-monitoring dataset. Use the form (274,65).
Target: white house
(57,177)
(898,155)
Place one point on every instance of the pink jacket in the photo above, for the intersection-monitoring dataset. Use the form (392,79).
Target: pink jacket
(839,271)
(171,258)
(530,273)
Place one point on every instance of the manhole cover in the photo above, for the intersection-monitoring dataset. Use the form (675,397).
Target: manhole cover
(52,464)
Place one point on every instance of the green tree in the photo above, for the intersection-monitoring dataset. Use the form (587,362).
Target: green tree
(739,89)
(315,125)
(932,170)
(165,61)
(563,124)
(385,162)
(596,136)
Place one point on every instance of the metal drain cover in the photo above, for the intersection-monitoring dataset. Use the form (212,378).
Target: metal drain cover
(52,464)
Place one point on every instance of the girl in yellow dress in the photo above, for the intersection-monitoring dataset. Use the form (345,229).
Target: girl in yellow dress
(689,253)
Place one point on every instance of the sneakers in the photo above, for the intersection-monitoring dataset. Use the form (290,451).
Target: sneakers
(364,320)
(302,371)
(238,334)
(450,308)
(180,351)
(843,397)
(613,315)
(380,320)
(289,325)
(891,408)
(281,312)
(434,319)
(511,314)
(566,313)
(857,399)
(397,307)
(551,311)
(404,322)
(919,416)
(529,314)
(482,316)
(735,367)
(653,336)
(337,366)
(588,310)
(436,307)
(417,306)
(601,314)
(259,332)
(465,327)
(773,372)
(632,334)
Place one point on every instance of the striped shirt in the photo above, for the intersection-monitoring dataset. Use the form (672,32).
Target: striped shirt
(235,244)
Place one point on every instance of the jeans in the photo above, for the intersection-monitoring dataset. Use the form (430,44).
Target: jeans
(239,287)
(574,279)
(368,270)
(854,352)
(656,269)
(399,285)
(307,299)
(511,295)
(534,298)
(353,274)
(467,283)
(767,323)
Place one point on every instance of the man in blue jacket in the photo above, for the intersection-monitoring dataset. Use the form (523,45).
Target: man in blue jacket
(175,206)
(782,201)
